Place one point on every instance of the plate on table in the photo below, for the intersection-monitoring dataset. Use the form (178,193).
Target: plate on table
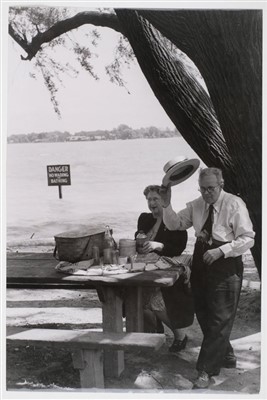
(114,269)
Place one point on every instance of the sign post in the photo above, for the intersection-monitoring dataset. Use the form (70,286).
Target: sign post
(60,191)
(58,175)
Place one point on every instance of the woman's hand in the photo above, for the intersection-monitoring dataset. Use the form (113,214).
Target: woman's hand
(151,246)
(165,195)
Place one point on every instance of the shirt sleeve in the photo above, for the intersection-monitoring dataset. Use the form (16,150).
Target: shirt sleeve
(243,232)
(178,221)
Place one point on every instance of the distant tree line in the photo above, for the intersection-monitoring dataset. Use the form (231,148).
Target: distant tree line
(122,132)
(55,136)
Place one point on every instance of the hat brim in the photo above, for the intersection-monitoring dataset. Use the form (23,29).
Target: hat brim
(180,172)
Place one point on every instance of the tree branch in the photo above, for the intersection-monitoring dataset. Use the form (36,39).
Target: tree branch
(22,42)
(96,18)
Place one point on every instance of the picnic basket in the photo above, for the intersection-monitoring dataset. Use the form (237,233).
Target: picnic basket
(77,245)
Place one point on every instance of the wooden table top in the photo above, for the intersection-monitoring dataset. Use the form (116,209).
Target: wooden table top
(39,268)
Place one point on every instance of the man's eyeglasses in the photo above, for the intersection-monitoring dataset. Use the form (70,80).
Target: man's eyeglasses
(209,189)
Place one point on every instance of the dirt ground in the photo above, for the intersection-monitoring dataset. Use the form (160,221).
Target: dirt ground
(39,369)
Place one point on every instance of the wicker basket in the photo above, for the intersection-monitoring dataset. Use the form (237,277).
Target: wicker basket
(77,245)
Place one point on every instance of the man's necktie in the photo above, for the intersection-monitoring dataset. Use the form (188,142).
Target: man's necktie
(207,227)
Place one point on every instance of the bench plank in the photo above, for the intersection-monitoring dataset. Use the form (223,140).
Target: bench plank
(84,339)
(86,347)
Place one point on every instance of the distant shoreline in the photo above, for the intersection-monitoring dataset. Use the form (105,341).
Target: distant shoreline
(123,132)
(88,140)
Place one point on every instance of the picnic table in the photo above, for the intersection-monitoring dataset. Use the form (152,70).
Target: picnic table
(37,270)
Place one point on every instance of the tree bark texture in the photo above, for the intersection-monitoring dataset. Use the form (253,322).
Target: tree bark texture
(226,46)
(183,98)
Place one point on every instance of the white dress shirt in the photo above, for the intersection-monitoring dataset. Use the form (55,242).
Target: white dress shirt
(231,222)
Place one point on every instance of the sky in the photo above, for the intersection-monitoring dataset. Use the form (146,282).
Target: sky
(85,104)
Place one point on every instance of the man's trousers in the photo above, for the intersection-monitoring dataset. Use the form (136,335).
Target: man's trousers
(216,291)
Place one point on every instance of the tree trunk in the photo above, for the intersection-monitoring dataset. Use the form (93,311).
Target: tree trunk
(231,65)
(183,98)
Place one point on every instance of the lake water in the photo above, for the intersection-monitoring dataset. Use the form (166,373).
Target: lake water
(107,182)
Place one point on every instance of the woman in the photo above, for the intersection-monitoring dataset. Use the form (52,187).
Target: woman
(173,305)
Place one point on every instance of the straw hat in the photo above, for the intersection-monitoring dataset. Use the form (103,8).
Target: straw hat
(178,170)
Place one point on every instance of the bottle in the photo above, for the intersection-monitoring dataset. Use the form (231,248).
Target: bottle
(96,256)
(108,246)
(115,257)
(115,246)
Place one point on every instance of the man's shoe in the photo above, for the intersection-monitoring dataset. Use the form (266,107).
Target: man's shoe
(229,360)
(178,345)
(202,381)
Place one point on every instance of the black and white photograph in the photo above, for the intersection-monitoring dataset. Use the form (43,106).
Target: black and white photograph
(132,234)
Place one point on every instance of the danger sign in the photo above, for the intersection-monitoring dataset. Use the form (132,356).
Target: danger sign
(58,175)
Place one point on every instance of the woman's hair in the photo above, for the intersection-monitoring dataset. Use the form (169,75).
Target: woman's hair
(151,188)
(212,171)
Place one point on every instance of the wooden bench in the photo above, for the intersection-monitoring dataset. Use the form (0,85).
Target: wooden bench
(87,347)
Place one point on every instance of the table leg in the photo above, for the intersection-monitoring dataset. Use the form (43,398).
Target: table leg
(112,322)
(90,365)
(134,310)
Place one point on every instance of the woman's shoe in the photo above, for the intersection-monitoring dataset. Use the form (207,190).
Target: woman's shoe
(229,360)
(178,345)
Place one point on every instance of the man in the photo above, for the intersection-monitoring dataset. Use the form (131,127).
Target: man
(224,232)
